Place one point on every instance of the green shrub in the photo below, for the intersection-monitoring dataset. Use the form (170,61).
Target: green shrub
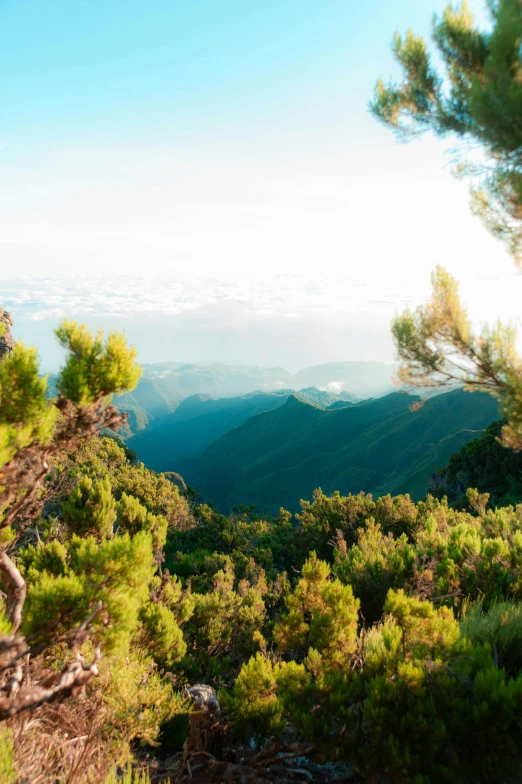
(500,627)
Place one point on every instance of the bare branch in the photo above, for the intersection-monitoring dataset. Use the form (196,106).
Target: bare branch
(71,679)
(16,589)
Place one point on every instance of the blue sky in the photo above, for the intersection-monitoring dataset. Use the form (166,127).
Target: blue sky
(161,71)
(189,159)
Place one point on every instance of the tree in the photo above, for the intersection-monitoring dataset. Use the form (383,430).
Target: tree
(33,429)
(478,99)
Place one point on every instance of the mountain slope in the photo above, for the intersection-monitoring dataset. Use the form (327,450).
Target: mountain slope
(164,386)
(175,441)
(379,446)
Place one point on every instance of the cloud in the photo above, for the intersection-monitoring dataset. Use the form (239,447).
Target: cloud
(289,297)
(336,387)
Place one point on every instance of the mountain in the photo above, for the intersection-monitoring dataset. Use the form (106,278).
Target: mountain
(379,446)
(164,386)
(174,442)
(324,398)
(484,464)
(363,379)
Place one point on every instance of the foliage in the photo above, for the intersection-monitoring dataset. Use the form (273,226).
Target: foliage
(134,517)
(135,701)
(25,415)
(322,615)
(94,369)
(253,702)
(386,632)
(373,565)
(224,623)
(485,464)
(8,773)
(33,428)
(477,97)
(437,346)
(129,777)
(500,627)
(91,509)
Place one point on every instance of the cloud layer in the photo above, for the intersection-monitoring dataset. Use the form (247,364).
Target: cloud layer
(288,296)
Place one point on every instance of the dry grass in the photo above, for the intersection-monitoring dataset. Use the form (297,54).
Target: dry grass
(61,744)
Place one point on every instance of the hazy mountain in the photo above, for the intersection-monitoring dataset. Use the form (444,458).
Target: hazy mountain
(175,441)
(363,379)
(378,446)
(164,386)
(324,398)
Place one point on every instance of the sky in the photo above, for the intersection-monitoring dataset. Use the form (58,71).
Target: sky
(206,176)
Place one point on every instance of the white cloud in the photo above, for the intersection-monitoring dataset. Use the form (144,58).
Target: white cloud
(336,387)
(242,248)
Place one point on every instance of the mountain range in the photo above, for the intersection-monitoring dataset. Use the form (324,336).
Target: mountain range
(385,445)
(175,441)
(165,385)
(244,434)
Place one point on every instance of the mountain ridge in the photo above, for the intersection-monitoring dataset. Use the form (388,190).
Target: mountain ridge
(379,447)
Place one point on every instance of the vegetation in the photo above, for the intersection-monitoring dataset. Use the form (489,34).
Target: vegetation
(392,648)
(384,632)
(478,98)
(177,441)
(276,458)
(485,464)
(78,564)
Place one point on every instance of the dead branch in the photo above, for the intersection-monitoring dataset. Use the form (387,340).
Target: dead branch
(16,590)
(21,478)
(71,679)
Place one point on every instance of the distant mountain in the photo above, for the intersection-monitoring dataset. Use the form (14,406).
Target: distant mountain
(379,446)
(323,398)
(164,386)
(363,379)
(174,442)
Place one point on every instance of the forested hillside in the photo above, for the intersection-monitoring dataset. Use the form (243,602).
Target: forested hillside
(482,463)
(176,441)
(378,446)
(145,634)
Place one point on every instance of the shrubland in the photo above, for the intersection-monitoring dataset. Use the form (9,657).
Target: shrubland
(380,631)
(384,632)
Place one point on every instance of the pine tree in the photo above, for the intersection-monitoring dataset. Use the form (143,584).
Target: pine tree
(33,429)
(478,98)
